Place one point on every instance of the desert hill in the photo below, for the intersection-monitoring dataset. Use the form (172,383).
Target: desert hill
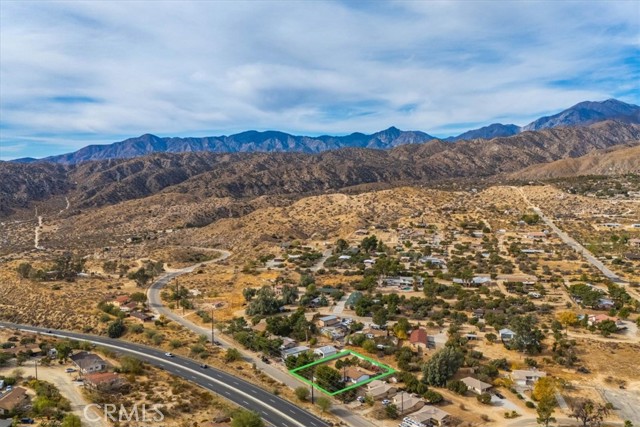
(610,161)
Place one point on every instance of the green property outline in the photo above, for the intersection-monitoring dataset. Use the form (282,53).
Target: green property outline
(388,370)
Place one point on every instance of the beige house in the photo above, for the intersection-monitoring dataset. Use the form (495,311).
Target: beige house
(476,385)
(426,417)
(407,403)
(380,389)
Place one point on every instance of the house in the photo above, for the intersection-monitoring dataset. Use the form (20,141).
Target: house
(325,351)
(426,417)
(103,381)
(121,300)
(594,319)
(354,375)
(526,377)
(126,308)
(407,403)
(432,260)
(605,304)
(288,343)
(476,385)
(478,313)
(6,423)
(418,338)
(477,234)
(328,321)
(344,257)
(88,362)
(612,224)
(293,351)
(143,317)
(380,390)
(506,335)
(13,400)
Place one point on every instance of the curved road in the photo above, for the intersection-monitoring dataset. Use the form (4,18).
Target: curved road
(273,409)
(155,303)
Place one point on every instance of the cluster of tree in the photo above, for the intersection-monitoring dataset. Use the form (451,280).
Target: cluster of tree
(263,301)
(259,342)
(48,401)
(295,326)
(146,273)
(65,267)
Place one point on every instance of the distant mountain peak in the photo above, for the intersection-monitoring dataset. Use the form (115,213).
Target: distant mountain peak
(587,112)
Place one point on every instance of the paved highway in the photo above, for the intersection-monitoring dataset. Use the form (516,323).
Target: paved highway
(274,410)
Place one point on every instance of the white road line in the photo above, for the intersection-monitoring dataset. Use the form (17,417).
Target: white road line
(179,368)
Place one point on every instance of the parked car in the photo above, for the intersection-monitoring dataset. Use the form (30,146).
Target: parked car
(385,402)
(361,399)
(69,370)
(26,421)
(500,395)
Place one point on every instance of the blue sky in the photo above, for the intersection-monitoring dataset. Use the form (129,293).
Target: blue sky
(76,73)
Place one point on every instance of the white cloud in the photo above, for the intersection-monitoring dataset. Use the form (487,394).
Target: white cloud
(92,70)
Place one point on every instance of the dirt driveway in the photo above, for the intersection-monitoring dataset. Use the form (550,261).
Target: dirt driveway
(68,388)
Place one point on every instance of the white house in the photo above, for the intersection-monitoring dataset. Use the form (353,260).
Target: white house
(506,334)
(325,351)
(526,377)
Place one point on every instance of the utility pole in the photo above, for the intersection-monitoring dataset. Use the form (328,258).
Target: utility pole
(313,375)
(213,341)
(35,363)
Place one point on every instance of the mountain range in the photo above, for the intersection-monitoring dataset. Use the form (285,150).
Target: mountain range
(582,114)
(239,176)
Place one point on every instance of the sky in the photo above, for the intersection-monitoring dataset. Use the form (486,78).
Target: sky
(95,72)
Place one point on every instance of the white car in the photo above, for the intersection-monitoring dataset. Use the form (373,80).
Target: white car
(169,354)
(385,402)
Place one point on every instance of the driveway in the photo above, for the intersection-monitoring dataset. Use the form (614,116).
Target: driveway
(68,388)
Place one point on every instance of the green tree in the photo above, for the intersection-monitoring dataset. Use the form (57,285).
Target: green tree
(232,355)
(607,327)
(24,270)
(244,418)
(302,393)
(264,303)
(116,329)
(545,410)
(484,398)
(249,293)
(341,246)
(442,366)
(324,403)
(289,294)
(528,337)
(71,420)
(380,317)
(328,378)
(457,386)
(391,411)
(369,243)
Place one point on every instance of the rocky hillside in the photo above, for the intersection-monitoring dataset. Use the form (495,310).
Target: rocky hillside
(611,161)
(248,175)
